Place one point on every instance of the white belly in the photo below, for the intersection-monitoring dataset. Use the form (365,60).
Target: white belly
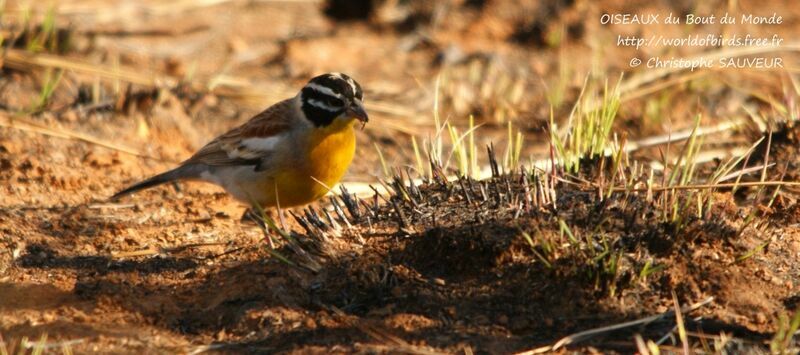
(242,182)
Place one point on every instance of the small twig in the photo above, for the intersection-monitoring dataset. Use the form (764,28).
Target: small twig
(113,206)
(149,32)
(395,343)
(707,186)
(401,217)
(228,252)
(588,334)
(159,250)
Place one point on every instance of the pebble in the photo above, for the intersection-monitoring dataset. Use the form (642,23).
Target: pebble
(761,318)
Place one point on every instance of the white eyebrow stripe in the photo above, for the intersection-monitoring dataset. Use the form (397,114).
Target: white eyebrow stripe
(323,89)
(322,105)
(352,85)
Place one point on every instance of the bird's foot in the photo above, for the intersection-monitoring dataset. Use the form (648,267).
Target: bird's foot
(251,216)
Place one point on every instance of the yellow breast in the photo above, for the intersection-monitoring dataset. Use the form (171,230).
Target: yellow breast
(319,169)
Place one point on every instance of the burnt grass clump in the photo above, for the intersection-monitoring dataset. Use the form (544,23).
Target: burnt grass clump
(499,257)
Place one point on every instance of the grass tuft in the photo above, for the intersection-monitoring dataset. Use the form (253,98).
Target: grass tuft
(783,340)
(588,128)
(49,85)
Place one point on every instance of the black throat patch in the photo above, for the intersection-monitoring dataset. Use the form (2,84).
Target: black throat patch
(320,116)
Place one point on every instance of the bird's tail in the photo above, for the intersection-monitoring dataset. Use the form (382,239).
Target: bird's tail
(180,173)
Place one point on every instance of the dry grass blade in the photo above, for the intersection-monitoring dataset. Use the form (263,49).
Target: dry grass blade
(707,186)
(658,87)
(67,134)
(24,60)
(745,171)
(641,346)
(681,326)
(683,135)
(588,334)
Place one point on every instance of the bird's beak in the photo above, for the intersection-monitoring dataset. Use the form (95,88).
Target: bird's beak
(357,111)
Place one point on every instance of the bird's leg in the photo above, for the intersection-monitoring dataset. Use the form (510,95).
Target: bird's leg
(281,218)
(268,237)
(280,210)
(251,215)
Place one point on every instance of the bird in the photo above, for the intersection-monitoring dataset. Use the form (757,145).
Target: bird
(288,155)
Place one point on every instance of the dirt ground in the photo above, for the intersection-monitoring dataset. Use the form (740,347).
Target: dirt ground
(433,266)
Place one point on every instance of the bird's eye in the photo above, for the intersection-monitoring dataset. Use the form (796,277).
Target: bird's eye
(334,102)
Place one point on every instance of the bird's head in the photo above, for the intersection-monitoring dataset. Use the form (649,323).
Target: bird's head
(330,97)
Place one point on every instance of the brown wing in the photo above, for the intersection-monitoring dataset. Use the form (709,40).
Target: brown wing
(239,145)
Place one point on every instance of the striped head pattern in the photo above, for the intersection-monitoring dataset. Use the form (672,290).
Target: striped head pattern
(332,96)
